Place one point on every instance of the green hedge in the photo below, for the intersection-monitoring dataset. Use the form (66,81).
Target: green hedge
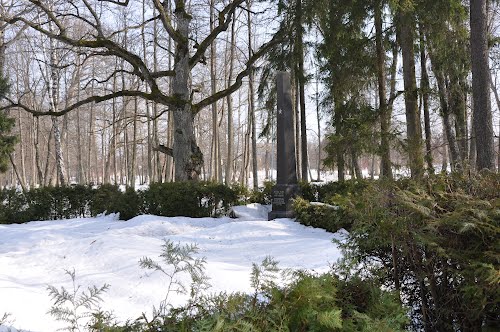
(191,199)
(325,216)
(324,192)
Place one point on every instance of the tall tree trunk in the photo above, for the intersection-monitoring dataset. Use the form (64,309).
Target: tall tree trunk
(187,155)
(16,171)
(406,28)
(385,119)
(301,82)
(58,151)
(392,83)
(36,137)
(33,173)
(246,151)
(114,136)
(149,140)
(497,99)
(444,164)
(318,118)
(106,154)
(340,148)
(459,108)
(230,127)
(92,177)
(483,123)
(134,145)
(448,119)
(47,175)
(169,162)
(355,164)
(54,104)
(80,175)
(156,159)
(425,91)
(251,105)
(215,158)
(21,141)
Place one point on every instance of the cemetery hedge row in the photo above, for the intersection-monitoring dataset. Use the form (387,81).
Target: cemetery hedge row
(190,199)
(200,199)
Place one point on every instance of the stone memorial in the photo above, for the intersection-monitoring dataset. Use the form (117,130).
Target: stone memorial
(286,182)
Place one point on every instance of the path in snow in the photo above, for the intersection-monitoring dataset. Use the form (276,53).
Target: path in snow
(106,250)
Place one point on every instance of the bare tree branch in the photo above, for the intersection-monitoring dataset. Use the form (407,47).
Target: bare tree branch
(225,17)
(277,39)
(116,2)
(167,23)
(140,68)
(93,99)
(164,149)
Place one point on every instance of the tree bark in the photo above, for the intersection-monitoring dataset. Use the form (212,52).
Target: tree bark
(355,164)
(251,105)
(149,162)
(301,82)
(134,145)
(16,171)
(318,118)
(385,119)
(483,123)
(341,148)
(215,158)
(53,85)
(425,90)
(448,123)
(406,28)
(459,109)
(187,155)
(230,127)
(497,99)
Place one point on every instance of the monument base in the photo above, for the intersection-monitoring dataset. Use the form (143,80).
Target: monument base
(282,195)
(280,214)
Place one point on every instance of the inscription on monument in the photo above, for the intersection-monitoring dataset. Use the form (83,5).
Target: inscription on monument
(279,197)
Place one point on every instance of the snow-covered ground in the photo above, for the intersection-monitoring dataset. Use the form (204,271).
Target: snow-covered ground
(106,250)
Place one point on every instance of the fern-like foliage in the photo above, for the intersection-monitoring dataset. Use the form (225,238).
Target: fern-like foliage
(264,276)
(75,306)
(178,260)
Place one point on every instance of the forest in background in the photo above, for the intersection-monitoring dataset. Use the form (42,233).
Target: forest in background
(98,90)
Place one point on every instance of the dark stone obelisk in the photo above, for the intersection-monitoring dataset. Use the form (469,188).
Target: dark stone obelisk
(286,182)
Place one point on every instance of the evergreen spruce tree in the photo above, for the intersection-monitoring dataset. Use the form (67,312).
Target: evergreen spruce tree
(347,65)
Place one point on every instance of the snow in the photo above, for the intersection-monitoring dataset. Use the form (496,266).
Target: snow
(106,250)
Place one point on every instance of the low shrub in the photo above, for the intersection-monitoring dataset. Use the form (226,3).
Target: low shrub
(305,302)
(320,215)
(189,199)
(325,192)
(46,203)
(13,207)
(108,198)
(263,195)
(105,198)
